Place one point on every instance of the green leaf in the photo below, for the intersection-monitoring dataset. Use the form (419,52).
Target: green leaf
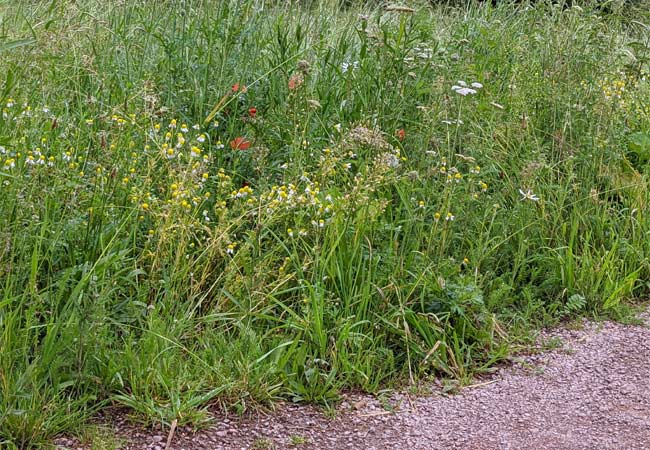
(15,44)
(639,143)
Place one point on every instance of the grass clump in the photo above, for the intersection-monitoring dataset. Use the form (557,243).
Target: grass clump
(236,202)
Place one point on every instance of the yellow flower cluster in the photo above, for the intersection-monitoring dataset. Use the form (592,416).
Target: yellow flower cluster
(613,88)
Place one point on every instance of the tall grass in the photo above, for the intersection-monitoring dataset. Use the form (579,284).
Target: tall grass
(235,202)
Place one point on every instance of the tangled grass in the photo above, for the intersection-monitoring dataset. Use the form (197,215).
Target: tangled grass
(233,202)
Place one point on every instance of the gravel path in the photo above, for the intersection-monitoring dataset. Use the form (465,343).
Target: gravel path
(594,393)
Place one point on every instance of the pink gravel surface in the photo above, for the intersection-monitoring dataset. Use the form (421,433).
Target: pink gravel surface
(592,393)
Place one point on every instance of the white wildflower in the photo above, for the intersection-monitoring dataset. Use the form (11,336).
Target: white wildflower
(463,90)
(345,66)
(528,195)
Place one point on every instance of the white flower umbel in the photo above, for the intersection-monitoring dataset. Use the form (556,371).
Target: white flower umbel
(463,90)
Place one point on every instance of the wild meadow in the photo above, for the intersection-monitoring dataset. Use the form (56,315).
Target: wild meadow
(227,203)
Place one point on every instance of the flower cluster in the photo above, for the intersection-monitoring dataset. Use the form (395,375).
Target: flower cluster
(463,89)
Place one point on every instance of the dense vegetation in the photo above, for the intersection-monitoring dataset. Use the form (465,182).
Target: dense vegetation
(226,203)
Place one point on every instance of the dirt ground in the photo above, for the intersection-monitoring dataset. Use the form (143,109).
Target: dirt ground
(591,393)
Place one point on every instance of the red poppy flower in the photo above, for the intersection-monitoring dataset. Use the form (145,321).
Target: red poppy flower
(401,134)
(295,81)
(240,143)
(239,88)
(252,111)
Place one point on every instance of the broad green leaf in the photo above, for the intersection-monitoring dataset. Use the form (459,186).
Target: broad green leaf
(639,143)
(15,44)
